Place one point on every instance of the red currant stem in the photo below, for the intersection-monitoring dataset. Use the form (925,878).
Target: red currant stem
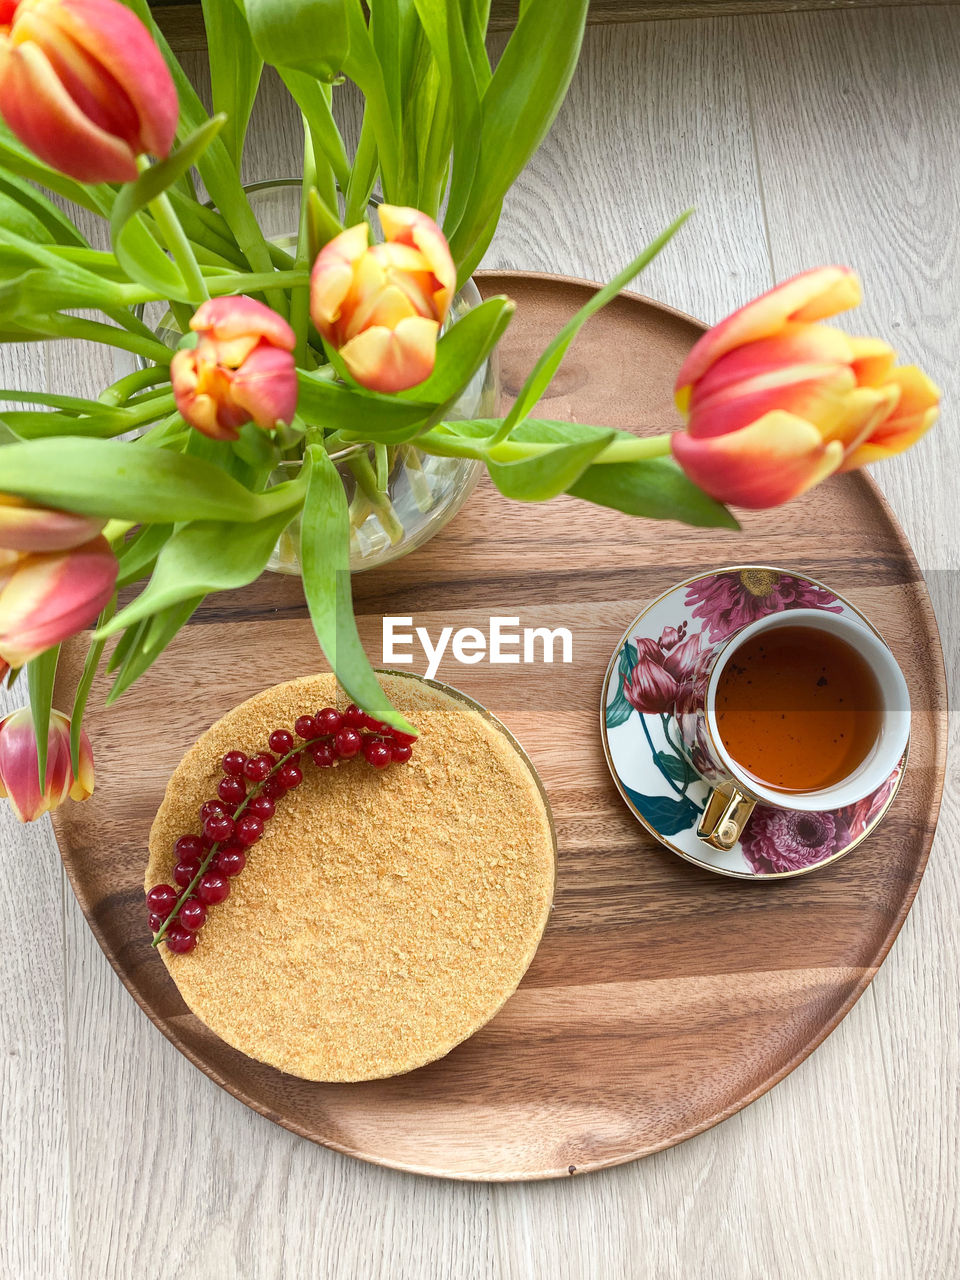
(161,933)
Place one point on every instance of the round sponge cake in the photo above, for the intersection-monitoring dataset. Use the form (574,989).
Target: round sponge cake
(384,916)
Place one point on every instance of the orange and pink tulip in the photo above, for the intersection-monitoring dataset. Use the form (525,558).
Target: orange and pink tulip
(47,596)
(381,305)
(19,777)
(241,370)
(24,527)
(84,86)
(775,401)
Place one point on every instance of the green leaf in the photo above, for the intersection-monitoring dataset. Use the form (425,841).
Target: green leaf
(114,479)
(338,407)
(655,488)
(325,562)
(518,107)
(314,102)
(56,224)
(41,673)
(462,350)
(542,373)
(619,711)
(137,251)
(198,558)
(90,665)
(137,654)
(137,557)
(545,476)
(17,159)
(235,68)
(307,35)
(673,766)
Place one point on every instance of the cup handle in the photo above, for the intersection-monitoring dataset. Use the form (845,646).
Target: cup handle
(724,818)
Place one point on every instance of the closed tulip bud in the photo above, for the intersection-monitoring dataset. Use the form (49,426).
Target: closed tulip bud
(27,528)
(84,86)
(19,777)
(241,370)
(47,596)
(776,402)
(381,306)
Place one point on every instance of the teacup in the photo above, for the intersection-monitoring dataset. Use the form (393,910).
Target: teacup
(736,685)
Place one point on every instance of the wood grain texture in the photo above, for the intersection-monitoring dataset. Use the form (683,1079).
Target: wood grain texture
(661,998)
(847,1170)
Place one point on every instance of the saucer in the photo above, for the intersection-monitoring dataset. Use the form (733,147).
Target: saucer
(658,784)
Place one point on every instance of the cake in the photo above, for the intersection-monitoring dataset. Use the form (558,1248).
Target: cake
(384,917)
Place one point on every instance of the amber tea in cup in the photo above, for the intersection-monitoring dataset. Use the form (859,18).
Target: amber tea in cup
(798,708)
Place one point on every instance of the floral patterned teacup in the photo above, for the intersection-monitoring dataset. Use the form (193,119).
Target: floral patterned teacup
(694,675)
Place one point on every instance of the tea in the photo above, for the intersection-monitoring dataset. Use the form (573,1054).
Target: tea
(798,708)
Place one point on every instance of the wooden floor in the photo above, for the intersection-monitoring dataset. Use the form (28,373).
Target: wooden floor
(802,139)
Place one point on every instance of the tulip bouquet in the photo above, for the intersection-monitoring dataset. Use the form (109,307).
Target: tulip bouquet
(161,487)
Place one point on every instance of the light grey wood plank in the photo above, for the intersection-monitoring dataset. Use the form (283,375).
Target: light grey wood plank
(34,1120)
(854,117)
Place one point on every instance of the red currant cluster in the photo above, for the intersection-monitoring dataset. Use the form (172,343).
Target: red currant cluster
(234,821)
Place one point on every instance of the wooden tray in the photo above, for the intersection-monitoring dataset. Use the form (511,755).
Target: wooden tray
(663,998)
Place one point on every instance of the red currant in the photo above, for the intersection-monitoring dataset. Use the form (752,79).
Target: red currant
(189,848)
(231,861)
(232,790)
(233,762)
(180,940)
(219,827)
(193,914)
(378,754)
(281,741)
(348,742)
(162,897)
(211,807)
(306,727)
(258,767)
(184,872)
(156,920)
(213,888)
(290,775)
(329,720)
(405,739)
(249,829)
(323,754)
(353,716)
(272,788)
(401,752)
(262,806)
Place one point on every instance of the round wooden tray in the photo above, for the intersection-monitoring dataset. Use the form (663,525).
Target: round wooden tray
(663,998)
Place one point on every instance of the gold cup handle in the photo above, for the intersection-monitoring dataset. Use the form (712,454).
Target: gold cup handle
(725,816)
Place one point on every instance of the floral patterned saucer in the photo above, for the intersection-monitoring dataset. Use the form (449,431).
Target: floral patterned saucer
(641,741)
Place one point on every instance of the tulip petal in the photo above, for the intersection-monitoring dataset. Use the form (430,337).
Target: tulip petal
(796,344)
(19,780)
(38,109)
(412,226)
(27,528)
(53,595)
(393,359)
(762,465)
(817,393)
(228,319)
(332,276)
(116,38)
(265,387)
(872,360)
(812,295)
(915,412)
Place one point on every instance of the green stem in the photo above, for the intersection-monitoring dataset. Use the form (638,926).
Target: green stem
(176,241)
(367,481)
(636,449)
(215,849)
(121,390)
(300,297)
(63,326)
